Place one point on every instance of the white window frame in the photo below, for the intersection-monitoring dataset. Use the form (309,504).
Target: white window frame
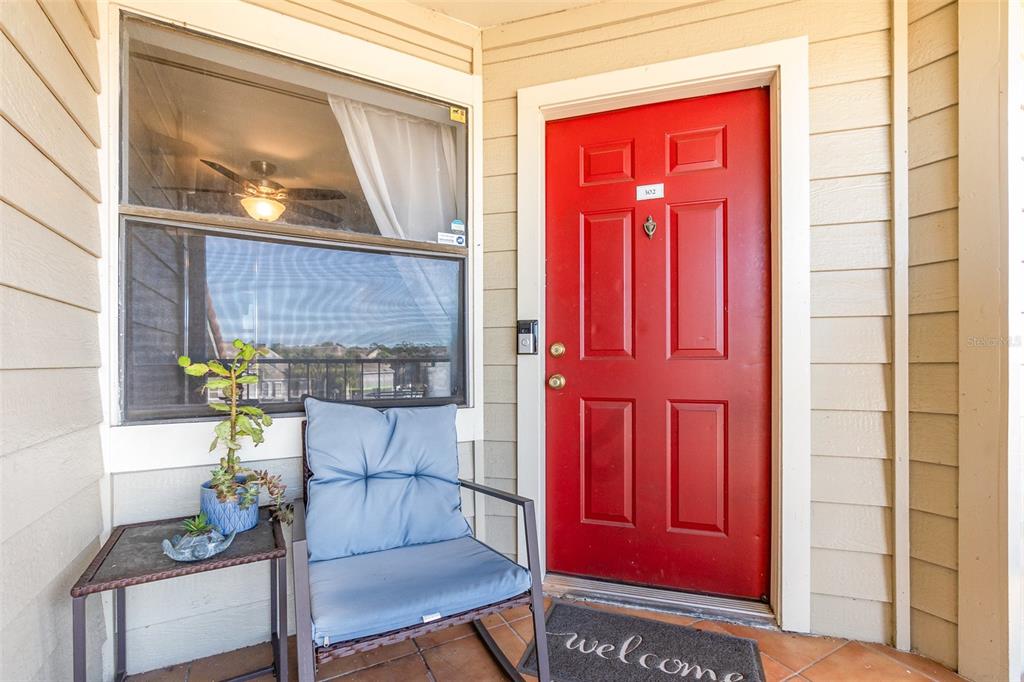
(140,447)
(783,67)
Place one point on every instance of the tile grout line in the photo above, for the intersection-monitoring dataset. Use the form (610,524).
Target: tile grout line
(822,658)
(908,665)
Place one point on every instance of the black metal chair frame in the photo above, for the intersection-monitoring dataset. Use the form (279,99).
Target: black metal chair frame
(309,654)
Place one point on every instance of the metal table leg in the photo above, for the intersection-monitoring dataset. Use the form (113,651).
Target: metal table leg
(120,636)
(281,655)
(78,637)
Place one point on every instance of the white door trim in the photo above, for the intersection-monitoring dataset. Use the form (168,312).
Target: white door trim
(783,66)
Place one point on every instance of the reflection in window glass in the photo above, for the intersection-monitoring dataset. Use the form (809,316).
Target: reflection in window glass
(219,129)
(362,326)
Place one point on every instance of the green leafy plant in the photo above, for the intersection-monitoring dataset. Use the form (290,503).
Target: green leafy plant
(197,525)
(240,422)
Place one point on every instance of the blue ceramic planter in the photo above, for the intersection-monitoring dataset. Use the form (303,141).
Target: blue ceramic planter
(227,517)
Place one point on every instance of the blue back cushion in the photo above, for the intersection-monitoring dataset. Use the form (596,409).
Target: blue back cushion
(380,479)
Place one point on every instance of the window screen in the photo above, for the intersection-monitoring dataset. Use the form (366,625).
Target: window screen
(340,323)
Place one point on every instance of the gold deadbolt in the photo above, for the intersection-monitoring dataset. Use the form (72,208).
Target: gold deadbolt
(556,381)
(557,349)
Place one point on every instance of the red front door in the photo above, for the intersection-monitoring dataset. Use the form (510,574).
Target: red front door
(658,286)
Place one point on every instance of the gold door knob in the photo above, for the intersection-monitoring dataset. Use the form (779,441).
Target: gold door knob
(556,381)
(557,349)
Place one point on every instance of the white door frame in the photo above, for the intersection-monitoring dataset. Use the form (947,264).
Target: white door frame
(783,67)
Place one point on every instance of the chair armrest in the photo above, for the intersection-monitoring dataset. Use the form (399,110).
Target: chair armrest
(494,492)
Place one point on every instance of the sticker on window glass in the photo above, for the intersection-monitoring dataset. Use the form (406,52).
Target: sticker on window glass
(457,114)
(458,226)
(449,238)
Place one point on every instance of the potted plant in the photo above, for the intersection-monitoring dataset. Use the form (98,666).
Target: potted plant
(229,500)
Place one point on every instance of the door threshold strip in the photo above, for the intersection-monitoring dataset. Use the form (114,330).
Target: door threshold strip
(687,603)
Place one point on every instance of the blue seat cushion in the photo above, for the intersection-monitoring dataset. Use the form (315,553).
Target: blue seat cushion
(370,594)
(381,479)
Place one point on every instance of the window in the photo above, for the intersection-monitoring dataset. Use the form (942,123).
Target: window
(318,215)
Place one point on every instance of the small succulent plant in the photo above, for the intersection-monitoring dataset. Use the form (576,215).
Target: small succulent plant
(197,525)
(240,422)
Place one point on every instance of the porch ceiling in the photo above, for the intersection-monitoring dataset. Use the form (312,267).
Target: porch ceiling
(494,12)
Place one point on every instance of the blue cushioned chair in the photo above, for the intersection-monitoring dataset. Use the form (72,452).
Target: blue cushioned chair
(382,551)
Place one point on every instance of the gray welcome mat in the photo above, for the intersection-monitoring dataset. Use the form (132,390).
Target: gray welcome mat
(588,645)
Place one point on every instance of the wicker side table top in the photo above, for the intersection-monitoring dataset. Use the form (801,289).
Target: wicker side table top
(132,555)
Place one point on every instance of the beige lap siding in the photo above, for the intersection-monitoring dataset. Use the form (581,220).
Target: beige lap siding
(850,255)
(932,63)
(51,464)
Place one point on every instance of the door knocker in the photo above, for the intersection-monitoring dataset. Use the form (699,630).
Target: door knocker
(649,227)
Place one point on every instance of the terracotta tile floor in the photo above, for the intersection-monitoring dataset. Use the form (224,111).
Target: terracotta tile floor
(456,655)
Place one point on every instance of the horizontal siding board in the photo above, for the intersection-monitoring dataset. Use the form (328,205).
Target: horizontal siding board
(853,246)
(861,619)
(499,116)
(71,462)
(850,200)
(36,259)
(850,105)
(500,232)
(499,156)
(500,386)
(933,538)
(933,438)
(500,270)
(933,237)
(77,36)
(933,137)
(851,527)
(859,575)
(844,293)
(850,387)
(499,308)
(44,121)
(842,433)
(30,399)
(851,58)
(64,531)
(933,589)
(933,489)
(500,346)
(932,37)
(500,194)
(933,337)
(500,422)
(34,36)
(933,87)
(40,332)
(850,340)
(934,187)
(26,170)
(933,637)
(500,459)
(503,78)
(347,24)
(831,479)
(918,9)
(91,13)
(933,388)
(933,287)
(616,22)
(863,151)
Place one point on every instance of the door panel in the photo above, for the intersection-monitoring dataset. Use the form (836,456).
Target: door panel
(607,292)
(658,448)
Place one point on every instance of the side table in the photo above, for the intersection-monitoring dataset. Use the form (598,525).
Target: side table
(133,556)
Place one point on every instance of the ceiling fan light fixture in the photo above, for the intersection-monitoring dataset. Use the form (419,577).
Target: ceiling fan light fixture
(263,208)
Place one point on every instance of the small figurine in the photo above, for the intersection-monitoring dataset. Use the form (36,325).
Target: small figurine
(200,541)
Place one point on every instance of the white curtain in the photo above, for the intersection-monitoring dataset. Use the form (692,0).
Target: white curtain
(406,168)
(405,165)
